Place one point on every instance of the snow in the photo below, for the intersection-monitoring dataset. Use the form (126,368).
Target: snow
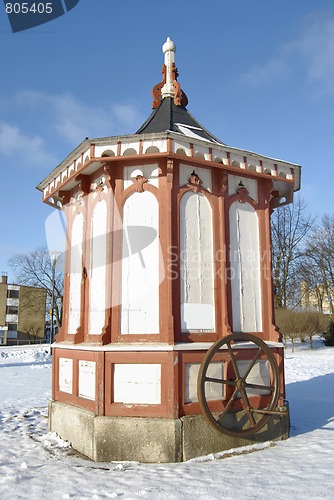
(35,464)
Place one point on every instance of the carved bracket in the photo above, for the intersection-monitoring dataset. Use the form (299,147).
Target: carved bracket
(65,197)
(194,182)
(180,98)
(139,182)
(84,183)
(224,184)
(242,190)
(156,91)
(106,169)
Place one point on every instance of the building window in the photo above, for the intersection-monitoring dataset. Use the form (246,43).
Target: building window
(13,294)
(12,327)
(12,310)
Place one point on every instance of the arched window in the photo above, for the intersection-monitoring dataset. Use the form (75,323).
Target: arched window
(75,274)
(140,265)
(196,263)
(98,264)
(245,274)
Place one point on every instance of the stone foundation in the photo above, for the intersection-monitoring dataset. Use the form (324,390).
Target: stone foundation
(149,440)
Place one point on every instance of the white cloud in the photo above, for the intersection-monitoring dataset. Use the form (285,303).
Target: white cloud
(316,47)
(73,120)
(126,114)
(29,150)
(259,75)
(312,52)
(38,125)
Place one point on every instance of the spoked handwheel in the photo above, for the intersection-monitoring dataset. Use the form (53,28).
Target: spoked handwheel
(239,382)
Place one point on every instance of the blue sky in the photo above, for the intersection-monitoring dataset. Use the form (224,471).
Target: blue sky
(258,74)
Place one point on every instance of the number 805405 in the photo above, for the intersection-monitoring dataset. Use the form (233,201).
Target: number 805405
(25,8)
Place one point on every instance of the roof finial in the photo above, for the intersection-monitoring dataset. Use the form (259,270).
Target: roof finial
(169,86)
(169,50)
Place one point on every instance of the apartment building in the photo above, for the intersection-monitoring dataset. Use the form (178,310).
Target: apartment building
(319,298)
(22,313)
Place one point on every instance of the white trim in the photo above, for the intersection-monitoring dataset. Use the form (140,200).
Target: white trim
(153,347)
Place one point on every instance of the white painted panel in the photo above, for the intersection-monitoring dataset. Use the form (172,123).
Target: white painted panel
(137,383)
(129,145)
(182,146)
(151,172)
(161,144)
(140,265)
(75,274)
(237,158)
(268,167)
(250,185)
(245,268)
(86,155)
(97,290)
(100,149)
(65,375)
(198,316)
(196,263)
(259,374)
(213,391)
(87,379)
(203,173)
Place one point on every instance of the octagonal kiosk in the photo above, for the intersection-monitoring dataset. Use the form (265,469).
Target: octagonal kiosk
(168,348)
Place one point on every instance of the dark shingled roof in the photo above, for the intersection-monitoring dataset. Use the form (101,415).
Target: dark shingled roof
(168,116)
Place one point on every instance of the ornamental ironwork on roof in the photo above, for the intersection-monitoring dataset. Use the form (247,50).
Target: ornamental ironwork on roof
(169,104)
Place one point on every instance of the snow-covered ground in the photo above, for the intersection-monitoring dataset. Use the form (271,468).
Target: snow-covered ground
(37,465)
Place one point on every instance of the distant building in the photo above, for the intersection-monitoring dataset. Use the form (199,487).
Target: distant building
(22,313)
(317,298)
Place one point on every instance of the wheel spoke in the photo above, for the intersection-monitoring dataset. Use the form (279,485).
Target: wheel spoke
(260,387)
(252,364)
(229,403)
(234,361)
(247,407)
(266,412)
(219,381)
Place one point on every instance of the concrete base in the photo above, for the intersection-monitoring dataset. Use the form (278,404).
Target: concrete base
(149,439)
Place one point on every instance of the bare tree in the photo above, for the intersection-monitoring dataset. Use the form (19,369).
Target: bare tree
(314,294)
(320,258)
(290,225)
(35,269)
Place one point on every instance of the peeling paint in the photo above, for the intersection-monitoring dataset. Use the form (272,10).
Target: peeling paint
(196,256)
(245,268)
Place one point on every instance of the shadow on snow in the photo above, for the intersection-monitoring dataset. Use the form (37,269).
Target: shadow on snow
(311,404)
